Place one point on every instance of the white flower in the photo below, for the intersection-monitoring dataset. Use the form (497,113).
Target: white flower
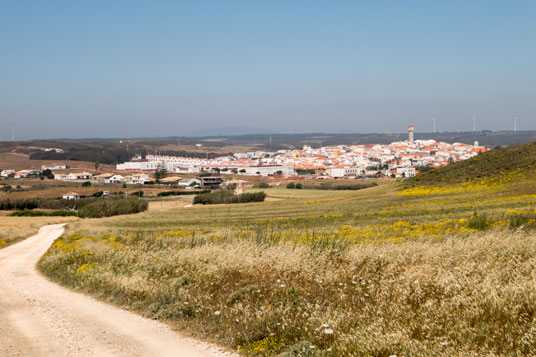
(237,320)
(217,313)
(325,325)
(282,286)
(443,344)
(328,331)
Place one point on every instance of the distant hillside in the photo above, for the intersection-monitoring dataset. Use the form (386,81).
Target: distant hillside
(228,131)
(491,163)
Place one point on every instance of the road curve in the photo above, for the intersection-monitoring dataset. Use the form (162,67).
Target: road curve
(41,318)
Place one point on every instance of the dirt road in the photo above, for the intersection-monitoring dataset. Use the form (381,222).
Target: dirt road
(40,318)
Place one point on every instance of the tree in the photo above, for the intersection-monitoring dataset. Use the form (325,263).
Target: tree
(279,172)
(48,174)
(161,171)
(97,165)
(243,171)
(299,186)
(86,184)
(291,185)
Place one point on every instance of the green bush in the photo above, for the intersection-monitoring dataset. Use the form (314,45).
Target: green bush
(113,207)
(35,213)
(219,197)
(291,185)
(298,186)
(44,203)
(179,193)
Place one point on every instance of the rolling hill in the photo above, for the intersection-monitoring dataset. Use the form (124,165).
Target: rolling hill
(488,164)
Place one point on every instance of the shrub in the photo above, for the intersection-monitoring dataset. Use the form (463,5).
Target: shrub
(291,185)
(113,207)
(299,186)
(35,213)
(219,197)
(263,184)
(179,193)
(86,184)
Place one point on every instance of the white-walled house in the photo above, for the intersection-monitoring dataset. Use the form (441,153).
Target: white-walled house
(71,196)
(6,173)
(405,172)
(115,179)
(79,176)
(190,182)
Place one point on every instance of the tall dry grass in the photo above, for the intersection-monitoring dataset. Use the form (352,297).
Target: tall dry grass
(471,295)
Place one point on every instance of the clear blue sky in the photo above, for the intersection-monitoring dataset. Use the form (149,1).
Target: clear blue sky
(157,68)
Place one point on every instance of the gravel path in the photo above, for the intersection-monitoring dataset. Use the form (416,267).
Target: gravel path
(40,318)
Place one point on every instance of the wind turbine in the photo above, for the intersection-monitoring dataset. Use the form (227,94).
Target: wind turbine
(515,123)
(474,123)
(434,120)
(12,132)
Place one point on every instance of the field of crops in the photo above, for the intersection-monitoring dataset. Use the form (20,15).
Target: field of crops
(380,271)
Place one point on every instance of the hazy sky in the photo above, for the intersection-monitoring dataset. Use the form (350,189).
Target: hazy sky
(160,68)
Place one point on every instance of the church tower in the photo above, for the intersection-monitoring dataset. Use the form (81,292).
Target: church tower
(411,130)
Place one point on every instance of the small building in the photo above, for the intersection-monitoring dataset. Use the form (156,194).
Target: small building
(79,176)
(211,181)
(115,179)
(71,196)
(403,172)
(54,167)
(137,179)
(102,177)
(190,182)
(7,173)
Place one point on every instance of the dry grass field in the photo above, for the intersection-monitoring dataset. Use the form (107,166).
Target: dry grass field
(13,229)
(380,271)
(20,161)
